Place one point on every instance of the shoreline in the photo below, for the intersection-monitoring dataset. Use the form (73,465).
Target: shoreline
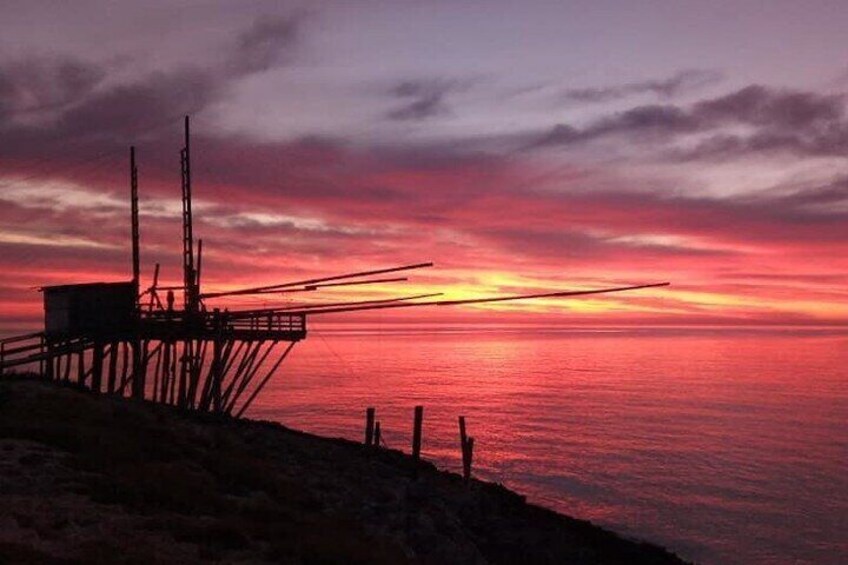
(89,479)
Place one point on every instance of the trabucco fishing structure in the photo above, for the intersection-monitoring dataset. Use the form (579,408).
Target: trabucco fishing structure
(114,338)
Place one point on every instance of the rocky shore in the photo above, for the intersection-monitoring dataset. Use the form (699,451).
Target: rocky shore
(87,479)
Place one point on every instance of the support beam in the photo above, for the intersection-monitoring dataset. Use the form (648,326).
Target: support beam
(97,367)
(252,370)
(113,368)
(139,368)
(262,384)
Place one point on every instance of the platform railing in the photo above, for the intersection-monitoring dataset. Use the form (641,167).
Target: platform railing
(260,320)
(20,350)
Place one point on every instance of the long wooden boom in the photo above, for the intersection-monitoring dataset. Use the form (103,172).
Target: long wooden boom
(300,308)
(260,289)
(311,287)
(558,294)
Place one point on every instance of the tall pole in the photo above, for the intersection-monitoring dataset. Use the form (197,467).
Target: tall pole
(190,294)
(136,261)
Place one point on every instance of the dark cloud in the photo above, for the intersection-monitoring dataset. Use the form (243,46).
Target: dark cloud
(127,108)
(109,119)
(652,119)
(776,109)
(92,117)
(267,43)
(38,84)
(681,82)
(643,121)
(425,99)
(777,120)
(832,143)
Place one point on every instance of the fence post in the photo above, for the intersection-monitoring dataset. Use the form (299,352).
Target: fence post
(416,433)
(369,426)
(467,448)
(377,434)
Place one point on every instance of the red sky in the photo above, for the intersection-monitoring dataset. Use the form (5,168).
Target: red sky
(519,158)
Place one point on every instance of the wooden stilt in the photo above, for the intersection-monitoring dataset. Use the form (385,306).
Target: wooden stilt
(97,367)
(138,372)
(172,393)
(217,369)
(67,377)
(185,363)
(81,367)
(157,375)
(125,367)
(113,368)
(166,372)
(261,384)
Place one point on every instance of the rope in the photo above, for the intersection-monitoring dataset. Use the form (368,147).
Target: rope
(346,366)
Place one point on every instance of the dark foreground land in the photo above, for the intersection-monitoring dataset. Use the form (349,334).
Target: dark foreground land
(87,479)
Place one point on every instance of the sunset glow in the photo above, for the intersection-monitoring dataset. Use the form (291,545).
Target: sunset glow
(313,156)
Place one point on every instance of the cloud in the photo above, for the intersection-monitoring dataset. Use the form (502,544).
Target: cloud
(830,199)
(684,81)
(800,122)
(758,105)
(657,121)
(126,108)
(39,84)
(267,43)
(279,210)
(425,99)
(92,114)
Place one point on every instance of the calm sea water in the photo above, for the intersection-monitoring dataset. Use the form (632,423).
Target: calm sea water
(724,446)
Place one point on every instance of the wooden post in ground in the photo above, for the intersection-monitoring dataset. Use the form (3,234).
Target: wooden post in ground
(369,426)
(416,433)
(377,434)
(467,447)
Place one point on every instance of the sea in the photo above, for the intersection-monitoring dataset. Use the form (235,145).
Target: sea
(722,445)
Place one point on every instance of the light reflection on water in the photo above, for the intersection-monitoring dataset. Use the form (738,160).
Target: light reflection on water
(725,447)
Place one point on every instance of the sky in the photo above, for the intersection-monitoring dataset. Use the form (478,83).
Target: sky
(521,147)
